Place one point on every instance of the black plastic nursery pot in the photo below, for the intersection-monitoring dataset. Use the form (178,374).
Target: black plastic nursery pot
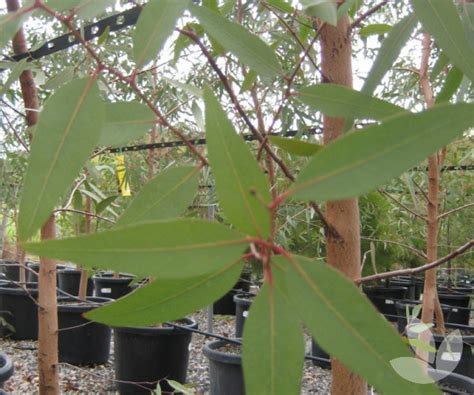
(107,286)
(409,283)
(32,274)
(9,269)
(242,306)
(82,342)
(69,281)
(460,303)
(19,310)
(324,360)
(6,368)
(384,298)
(225,369)
(452,383)
(226,305)
(149,354)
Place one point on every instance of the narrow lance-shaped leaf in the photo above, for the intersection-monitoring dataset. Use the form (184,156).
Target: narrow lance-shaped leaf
(273,346)
(164,197)
(389,51)
(170,299)
(9,24)
(154,26)
(67,131)
(295,146)
(242,188)
(248,48)
(363,160)
(451,85)
(164,249)
(326,10)
(339,101)
(441,19)
(347,326)
(124,122)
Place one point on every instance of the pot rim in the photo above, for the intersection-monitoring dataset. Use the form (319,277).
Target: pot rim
(6,371)
(97,301)
(17,290)
(164,330)
(212,353)
(242,299)
(452,378)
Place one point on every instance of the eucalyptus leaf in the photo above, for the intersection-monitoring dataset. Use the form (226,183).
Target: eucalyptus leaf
(65,75)
(326,10)
(247,47)
(376,28)
(164,197)
(295,146)
(67,131)
(388,53)
(273,344)
(441,19)
(168,299)
(361,161)
(451,85)
(340,101)
(241,186)
(345,324)
(155,24)
(14,75)
(125,122)
(10,23)
(163,249)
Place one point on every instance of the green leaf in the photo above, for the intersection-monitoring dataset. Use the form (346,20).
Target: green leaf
(468,21)
(169,299)
(185,87)
(389,51)
(247,47)
(180,248)
(9,24)
(67,131)
(273,345)
(103,204)
(124,122)
(339,101)
(282,5)
(363,160)
(180,387)
(65,75)
(85,9)
(248,82)
(164,197)
(294,146)
(451,85)
(439,66)
(155,24)
(242,188)
(376,28)
(326,10)
(441,19)
(347,326)
(14,75)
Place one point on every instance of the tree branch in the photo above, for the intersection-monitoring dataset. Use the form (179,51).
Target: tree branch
(454,210)
(71,210)
(416,251)
(366,14)
(410,272)
(402,205)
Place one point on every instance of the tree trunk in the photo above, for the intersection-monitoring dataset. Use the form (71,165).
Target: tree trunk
(3,228)
(48,319)
(47,312)
(430,295)
(343,252)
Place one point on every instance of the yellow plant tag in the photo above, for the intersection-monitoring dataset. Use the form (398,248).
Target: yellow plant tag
(124,187)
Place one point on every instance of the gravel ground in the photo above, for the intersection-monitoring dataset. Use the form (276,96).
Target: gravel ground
(99,379)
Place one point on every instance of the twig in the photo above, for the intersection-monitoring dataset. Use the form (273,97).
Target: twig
(236,103)
(421,254)
(84,213)
(420,269)
(454,210)
(18,137)
(402,205)
(366,14)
